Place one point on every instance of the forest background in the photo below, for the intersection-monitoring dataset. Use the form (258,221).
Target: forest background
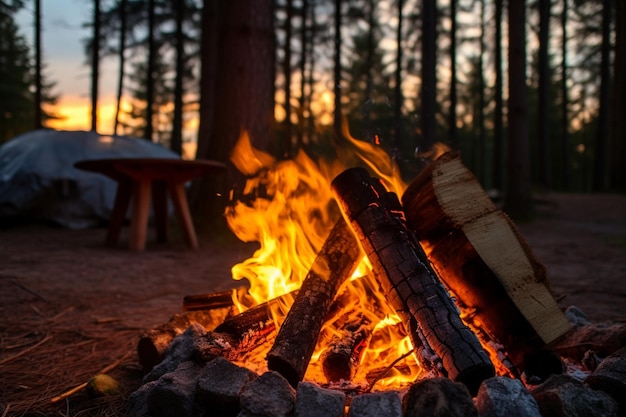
(531,93)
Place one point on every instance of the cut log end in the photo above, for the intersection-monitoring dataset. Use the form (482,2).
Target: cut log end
(285,368)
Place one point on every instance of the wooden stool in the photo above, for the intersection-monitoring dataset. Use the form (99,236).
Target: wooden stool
(142,178)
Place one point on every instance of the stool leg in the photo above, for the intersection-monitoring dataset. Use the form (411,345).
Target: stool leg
(141,211)
(120,207)
(159,204)
(179,197)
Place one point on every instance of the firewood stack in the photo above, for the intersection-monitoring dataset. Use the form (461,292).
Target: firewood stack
(484,261)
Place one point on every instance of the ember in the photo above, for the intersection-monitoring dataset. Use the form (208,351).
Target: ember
(360,306)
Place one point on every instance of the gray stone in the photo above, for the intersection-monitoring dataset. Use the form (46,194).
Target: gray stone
(269,395)
(138,400)
(315,401)
(220,383)
(505,397)
(576,316)
(181,350)
(435,397)
(564,396)
(174,393)
(610,377)
(378,404)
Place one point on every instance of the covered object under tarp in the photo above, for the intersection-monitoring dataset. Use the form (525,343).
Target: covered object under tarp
(38,180)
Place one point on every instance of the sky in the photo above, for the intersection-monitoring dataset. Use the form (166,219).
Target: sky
(65,62)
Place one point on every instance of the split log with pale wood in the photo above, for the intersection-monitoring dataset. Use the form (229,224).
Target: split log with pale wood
(483,260)
(408,281)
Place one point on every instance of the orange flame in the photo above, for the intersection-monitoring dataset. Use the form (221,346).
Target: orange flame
(290,212)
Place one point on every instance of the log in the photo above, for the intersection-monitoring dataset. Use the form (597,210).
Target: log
(244,330)
(153,343)
(483,259)
(298,334)
(208,301)
(253,326)
(408,280)
(343,355)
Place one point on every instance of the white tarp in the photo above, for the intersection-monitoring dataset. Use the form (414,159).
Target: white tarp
(38,179)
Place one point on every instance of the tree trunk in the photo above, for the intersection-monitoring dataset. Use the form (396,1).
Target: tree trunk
(122,63)
(337,122)
(176,141)
(286,151)
(311,74)
(618,125)
(601,152)
(480,148)
(429,78)
(244,87)
(498,128)
(518,198)
(369,83)
(452,129)
(305,44)
(38,86)
(95,65)
(543,134)
(398,96)
(564,103)
(151,56)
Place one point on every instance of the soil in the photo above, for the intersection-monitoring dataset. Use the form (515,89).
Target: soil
(70,307)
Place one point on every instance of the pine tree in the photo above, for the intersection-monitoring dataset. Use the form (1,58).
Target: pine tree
(16,78)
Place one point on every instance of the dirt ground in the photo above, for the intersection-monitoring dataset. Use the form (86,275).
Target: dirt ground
(70,307)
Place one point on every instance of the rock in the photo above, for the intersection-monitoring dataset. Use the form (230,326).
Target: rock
(269,395)
(378,404)
(602,338)
(438,397)
(315,401)
(138,400)
(505,397)
(220,383)
(180,350)
(610,377)
(174,393)
(564,396)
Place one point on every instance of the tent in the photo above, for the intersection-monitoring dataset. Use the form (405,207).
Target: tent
(38,180)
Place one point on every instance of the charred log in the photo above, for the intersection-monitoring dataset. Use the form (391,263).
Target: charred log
(342,357)
(298,334)
(407,279)
(241,331)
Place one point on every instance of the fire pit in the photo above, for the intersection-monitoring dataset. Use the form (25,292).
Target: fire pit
(375,303)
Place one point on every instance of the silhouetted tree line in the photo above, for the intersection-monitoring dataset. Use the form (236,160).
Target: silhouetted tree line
(539,109)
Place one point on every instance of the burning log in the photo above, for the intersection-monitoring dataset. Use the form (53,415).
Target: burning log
(407,279)
(298,334)
(244,330)
(341,359)
(483,260)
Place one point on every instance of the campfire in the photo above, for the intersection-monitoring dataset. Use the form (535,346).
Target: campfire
(362,284)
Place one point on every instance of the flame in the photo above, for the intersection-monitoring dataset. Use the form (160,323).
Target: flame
(288,208)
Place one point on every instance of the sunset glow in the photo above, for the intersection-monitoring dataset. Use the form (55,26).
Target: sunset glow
(75,114)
